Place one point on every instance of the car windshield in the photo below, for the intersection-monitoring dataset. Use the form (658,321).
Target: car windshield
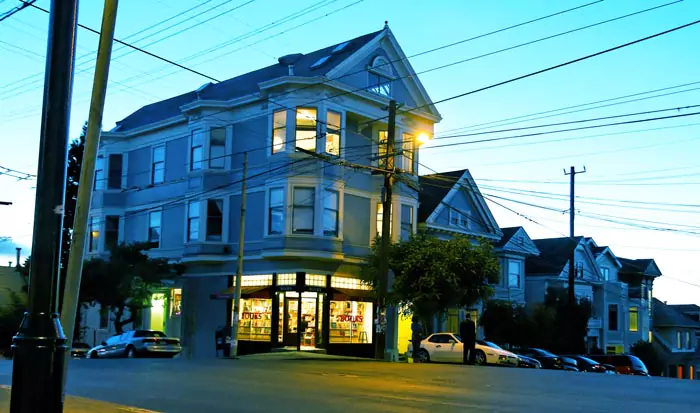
(587,360)
(489,344)
(147,333)
(458,337)
(543,353)
(638,364)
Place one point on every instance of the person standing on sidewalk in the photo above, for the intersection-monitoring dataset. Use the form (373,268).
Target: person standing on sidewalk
(467,330)
(416,337)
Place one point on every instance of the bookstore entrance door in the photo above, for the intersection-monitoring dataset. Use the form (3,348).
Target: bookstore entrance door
(302,319)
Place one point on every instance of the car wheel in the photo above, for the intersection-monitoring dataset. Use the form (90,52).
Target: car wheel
(130,353)
(480,358)
(423,356)
(91,355)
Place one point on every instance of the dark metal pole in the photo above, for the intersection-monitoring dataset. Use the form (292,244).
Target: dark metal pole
(39,346)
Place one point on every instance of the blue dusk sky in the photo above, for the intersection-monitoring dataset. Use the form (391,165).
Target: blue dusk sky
(640,194)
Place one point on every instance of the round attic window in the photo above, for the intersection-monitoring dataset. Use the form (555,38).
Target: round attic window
(381,64)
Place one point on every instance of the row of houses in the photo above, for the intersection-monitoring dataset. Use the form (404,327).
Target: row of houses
(171,174)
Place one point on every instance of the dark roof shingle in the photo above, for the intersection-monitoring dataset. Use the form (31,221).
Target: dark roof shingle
(634,266)
(507,235)
(434,188)
(666,316)
(554,254)
(244,84)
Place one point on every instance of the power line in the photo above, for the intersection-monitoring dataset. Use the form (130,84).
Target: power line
(16,9)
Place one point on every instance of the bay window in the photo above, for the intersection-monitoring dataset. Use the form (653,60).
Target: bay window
(100,173)
(306,128)
(303,210)
(158,165)
(634,319)
(94,235)
(215,219)
(406,222)
(217,148)
(154,225)
(196,149)
(330,213)
(111,232)
(514,274)
(279,131)
(333,122)
(275,224)
(407,149)
(382,158)
(193,221)
(114,176)
(380,218)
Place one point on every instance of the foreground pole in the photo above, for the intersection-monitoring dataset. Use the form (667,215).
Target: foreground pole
(39,346)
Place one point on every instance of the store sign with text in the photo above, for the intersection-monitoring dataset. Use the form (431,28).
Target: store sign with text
(349,318)
(253,316)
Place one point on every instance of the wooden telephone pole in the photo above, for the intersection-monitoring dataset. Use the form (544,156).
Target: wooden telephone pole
(572,214)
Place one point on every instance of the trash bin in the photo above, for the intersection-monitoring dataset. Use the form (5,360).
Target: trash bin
(222,337)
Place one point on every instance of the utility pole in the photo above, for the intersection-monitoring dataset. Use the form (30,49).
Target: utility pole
(239,262)
(5,203)
(572,213)
(39,346)
(87,175)
(390,313)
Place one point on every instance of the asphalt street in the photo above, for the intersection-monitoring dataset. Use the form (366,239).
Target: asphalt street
(270,385)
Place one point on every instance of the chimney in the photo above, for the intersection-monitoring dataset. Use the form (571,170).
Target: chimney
(9,264)
(291,70)
(18,251)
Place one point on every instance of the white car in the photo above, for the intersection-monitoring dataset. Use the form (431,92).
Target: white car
(447,348)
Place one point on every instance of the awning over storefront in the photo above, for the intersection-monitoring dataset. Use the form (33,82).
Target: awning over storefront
(227,294)
(361,295)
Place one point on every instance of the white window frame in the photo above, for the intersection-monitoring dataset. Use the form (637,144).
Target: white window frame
(605,273)
(327,192)
(271,132)
(100,167)
(208,146)
(187,222)
(519,273)
(152,176)
(629,317)
(341,130)
(268,199)
(617,312)
(94,222)
(412,214)
(148,227)
(314,208)
(190,150)
(381,66)
(454,213)
(316,139)
(109,168)
(224,221)
(408,163)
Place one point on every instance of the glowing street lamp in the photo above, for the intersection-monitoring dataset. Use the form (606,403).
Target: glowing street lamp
(423,139)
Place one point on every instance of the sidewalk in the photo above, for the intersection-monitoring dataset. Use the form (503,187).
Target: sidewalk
(77,405)
(300,355)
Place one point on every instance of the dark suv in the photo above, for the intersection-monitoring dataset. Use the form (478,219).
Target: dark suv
(624,363)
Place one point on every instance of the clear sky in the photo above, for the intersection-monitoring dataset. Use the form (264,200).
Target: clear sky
(634,171)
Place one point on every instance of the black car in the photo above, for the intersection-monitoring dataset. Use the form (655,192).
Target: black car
(624,363)
(79,350)
(549,361)
(528,362)
(588,365)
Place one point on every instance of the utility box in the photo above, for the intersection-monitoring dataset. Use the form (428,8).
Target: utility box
(222,338)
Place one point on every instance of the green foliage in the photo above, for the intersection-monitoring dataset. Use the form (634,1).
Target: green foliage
(433,275)
(10,318)
(649,355)
(125,281)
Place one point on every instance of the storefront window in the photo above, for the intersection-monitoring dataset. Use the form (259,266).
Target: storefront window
(286,279)
(351,322)
(176,304)
(316,280)
(255,319)
(349,283)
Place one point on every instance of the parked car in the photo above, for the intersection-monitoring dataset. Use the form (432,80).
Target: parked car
(549,361)
(528,362)
(448,347)
(79,350)
(624,363)
(137,343)
(588,365)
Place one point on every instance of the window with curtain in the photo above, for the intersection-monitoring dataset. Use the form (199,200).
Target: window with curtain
(330,213)
(275,224)
(158,165)
(279,131)
(306,128)
(193,221)
(215,219)
(303,210)
(333,122)
(217,148)
(406,222)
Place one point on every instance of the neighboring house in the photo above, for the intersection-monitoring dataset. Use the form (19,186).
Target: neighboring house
(596,279)
(639,275)
(451,204)
(170,174)
(12,282)
(675,335)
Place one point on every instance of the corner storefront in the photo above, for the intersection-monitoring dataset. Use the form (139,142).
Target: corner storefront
(303,311)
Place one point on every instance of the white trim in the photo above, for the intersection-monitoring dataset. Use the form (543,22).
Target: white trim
(269,187)
(150,167)
(148,226)
(220,104)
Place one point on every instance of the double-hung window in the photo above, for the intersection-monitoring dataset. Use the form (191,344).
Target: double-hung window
(613,317)
(217,148)
(158,165)
(154,225)
(303,210)
(100,173)
(513,274)
(406,222)
(380,218)
(193,221)
(275,223)
(111,232)
(196,150)
(634,319)
(330,213)
(114,176)
(279,131)
(382,154)
(407,153)
(333,122)
(605,272)
(306,128)
(215,219)
(379,84)
(94,234)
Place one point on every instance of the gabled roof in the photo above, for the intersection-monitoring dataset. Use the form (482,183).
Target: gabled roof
(642,266)
(245,84)
(507,235)
(434,188)
(686,308)
(554,255)
(602,250)
(516,240)
(667,316)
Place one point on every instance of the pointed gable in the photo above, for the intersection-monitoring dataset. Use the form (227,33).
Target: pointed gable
(644,266)
(516,239)
(451,202)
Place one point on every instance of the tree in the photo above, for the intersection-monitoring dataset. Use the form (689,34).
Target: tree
(125,281)
(649,355)
(506,322)
(433,275)
(571,322)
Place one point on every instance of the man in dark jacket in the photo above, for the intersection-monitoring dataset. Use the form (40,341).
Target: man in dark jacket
(467,330)
(416,337)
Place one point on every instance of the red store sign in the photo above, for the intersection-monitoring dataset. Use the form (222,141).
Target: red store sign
(349,318)
(253,316)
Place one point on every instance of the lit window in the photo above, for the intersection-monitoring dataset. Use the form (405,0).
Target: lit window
(406,222)
(679,343)
(276,211)
(407,160)
(316,280)
(196,151)
(306,128)
(111,232)
(94,244)
(513,274)
(114,178)
(193,221)
(158,165)
(215,219)
(303,210)
(688,342)
(612,317)
(382,157)
(605,271)
(634,319)
(379,83)
(279,131)
(380,219)
(100,173)
(255,280)
(349,283)
(459,219)
(217,148)
(333,122)
(330,213)
(154,225)
(255,319)
(351,322)
(286,279)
